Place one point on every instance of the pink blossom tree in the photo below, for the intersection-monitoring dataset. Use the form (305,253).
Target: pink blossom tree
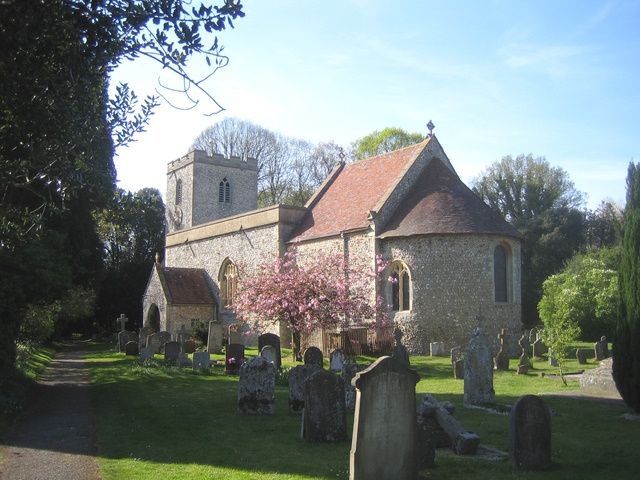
(320,291)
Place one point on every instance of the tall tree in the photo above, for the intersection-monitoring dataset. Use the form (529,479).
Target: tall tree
(59,125)
(387,140)
(543,204)
(626,341)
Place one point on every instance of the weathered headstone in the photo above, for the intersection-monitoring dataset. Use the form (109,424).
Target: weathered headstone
(456,354)
(269,354)
(325,415)
(234,358)
(349,371)
(313,355)
(552,360)
(146,353)
(131,348)
(524,345)
(427,411)
(171,351)
(201,360)
(154,342)
(234,336)
(478,372)
(463,442)
(183,360)
(297,376)
(533,335)
(122,320)
(581,357)
(257,387)
(336,360)
(143,336)
(539,348)
(189,346)
(601,349)
(214,343)
(458,369)
(385,427)
(437,349)
(399,350)
(502,359)
(273,340)
(530,439)
(124,337)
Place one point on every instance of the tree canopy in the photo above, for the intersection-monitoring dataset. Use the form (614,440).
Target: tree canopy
(387,140)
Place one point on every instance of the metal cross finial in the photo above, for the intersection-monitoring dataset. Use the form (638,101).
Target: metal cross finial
(430,126)
(341,155)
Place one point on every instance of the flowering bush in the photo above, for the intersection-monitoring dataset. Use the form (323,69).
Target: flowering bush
(322,291)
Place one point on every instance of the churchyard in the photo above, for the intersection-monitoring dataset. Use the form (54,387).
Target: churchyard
(158,421)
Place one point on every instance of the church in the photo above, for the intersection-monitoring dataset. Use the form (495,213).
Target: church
(456,262)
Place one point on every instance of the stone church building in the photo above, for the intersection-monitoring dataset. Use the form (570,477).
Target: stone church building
(456,261)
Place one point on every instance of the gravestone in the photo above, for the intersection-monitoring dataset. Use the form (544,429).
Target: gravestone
(399,350)
(458,369)
(234,358)
(425,444)
(297,376)
(336,360)
(273,340)
(146,353)
(269,354)
(201,361)
(530,434)
(427,410)
(533,335)
(524,345)
(502,359)
(580,356)
(325,414)
(183,360)
(257,387)
(124,337)
(143,336)
(313,355)
(349,371)
(539,348)
(171,351)
(463,442)
(552,360)
(456,354)
(131,348)
(182,335)
(155,342)
(122,320)
(601,349)
(214,343)
(234,335)
(189,346)
(385,427)
(478,372)
(437,349)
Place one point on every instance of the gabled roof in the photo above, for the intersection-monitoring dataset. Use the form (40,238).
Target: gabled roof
(186,286)
(440,203)
(344,202)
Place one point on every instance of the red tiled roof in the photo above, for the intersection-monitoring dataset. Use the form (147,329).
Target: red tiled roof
(187,286)
(357,188)
(441,203)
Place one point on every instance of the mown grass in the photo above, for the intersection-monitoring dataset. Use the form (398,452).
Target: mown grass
(171,423)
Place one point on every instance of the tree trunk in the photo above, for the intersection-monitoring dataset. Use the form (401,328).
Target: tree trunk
(295,346)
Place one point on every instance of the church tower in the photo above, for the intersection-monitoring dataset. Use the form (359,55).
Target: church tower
(202,188)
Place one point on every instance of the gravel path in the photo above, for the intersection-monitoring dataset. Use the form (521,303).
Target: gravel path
(55,439)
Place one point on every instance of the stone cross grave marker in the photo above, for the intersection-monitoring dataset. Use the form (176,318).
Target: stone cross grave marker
(502,359)
(171,351)
(273,340)
(349,371)
(182,335)
(400,351)
(463,442)
(257,387)
(385,425)
(336,360)
(313,355)
(297,376)
(234,358)
(214,343)
(524,345)
(122,320)
(269,354)
(530,434)
(325,416)
(478,372)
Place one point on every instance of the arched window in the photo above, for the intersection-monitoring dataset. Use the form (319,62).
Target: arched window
(501,274)
(224,191)
(179,192)
(400,291)
(228,283)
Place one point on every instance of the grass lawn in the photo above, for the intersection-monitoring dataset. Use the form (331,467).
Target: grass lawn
(171,423)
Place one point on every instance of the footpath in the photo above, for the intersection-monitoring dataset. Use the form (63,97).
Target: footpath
(55,439)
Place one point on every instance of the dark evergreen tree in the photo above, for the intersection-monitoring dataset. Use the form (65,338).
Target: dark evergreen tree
(626,342)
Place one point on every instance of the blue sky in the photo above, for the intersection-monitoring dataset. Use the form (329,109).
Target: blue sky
(558,79)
